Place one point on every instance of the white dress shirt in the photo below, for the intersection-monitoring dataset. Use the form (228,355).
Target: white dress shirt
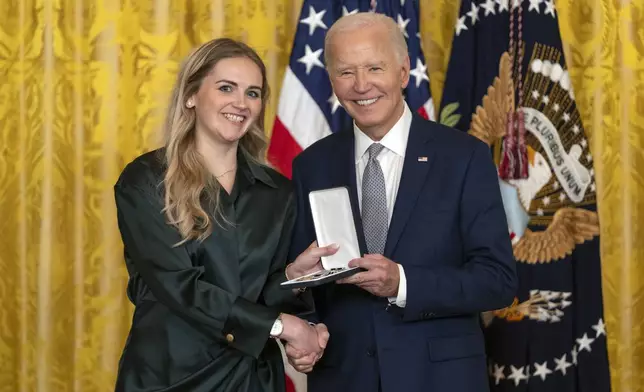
(391,159)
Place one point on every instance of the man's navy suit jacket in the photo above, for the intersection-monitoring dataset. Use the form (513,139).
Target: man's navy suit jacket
(449,232)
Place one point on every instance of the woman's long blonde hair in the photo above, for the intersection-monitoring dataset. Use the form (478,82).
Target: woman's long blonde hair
(187,181)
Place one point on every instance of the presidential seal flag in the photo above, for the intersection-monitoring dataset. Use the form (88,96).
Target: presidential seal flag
(507,84)
(307,109)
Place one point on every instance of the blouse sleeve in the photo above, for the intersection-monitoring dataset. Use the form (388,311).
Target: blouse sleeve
(177,283)
(273,294)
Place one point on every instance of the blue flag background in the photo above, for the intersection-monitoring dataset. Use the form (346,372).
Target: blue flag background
(553,338)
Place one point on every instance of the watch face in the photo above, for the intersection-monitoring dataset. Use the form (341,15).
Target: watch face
(277,328)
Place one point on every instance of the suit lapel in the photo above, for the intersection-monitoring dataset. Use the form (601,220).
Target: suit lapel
(414,176)
(346,170)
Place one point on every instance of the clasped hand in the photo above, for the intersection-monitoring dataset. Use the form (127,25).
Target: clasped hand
(307,348)
(305,343)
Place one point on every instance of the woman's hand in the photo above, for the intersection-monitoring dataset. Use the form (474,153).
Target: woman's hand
(305,342)
(309,260)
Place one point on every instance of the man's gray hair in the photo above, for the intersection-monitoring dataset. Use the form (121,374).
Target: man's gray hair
(359,20)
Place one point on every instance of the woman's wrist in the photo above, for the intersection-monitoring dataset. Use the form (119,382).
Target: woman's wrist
(293,327)
(290,272)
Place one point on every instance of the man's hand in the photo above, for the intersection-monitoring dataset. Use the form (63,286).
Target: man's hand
(309,260)
(381,278)
(302,361)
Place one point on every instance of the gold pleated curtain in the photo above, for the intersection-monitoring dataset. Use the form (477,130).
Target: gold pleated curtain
(83,86)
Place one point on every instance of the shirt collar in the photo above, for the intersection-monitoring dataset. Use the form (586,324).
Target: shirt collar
(395,140)
(253,170)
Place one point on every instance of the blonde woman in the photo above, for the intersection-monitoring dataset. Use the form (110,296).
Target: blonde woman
(206,227)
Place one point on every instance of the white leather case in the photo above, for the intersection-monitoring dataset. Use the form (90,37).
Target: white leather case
(333,221)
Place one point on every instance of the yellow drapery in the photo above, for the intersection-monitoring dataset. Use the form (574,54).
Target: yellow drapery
(84,87)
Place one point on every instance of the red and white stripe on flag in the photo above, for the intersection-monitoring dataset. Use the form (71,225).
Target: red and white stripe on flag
(295,381)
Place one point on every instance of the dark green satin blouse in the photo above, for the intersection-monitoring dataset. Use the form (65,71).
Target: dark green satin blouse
(203,310)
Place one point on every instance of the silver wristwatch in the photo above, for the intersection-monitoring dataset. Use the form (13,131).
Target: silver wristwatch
(278,327)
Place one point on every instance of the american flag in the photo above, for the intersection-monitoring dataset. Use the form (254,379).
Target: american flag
(308,110)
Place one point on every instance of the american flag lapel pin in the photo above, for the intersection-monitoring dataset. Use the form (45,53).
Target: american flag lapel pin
(422,159)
